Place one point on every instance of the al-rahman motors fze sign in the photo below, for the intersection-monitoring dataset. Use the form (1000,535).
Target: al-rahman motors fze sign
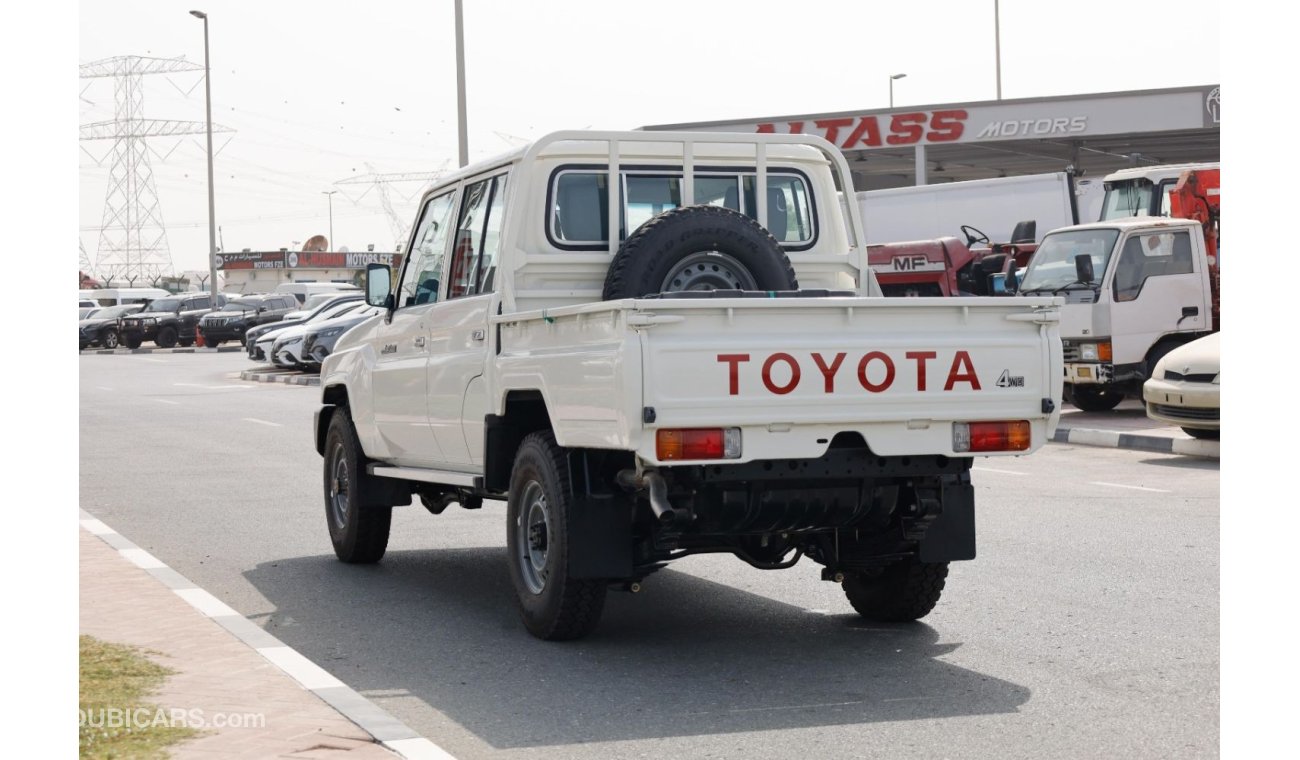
(1065,117)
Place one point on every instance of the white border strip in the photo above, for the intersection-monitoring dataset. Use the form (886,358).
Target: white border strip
(374,720)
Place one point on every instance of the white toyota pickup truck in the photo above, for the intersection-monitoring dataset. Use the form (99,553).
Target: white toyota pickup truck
(719,374)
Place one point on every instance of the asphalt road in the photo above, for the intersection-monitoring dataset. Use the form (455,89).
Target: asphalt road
(1087,627)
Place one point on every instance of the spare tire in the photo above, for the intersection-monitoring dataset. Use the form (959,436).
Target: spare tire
(698,248)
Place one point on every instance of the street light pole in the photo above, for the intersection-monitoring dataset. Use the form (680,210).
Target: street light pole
(997,44)
(463,141)
(330,194)
(892,77)
(212,203)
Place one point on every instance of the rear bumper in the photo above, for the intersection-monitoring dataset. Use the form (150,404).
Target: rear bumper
(1089,373)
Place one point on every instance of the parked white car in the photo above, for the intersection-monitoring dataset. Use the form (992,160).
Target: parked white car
(264,345)
(1184,388)
(287,349)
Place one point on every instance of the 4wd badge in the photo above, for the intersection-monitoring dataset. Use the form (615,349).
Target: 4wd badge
(1007,380)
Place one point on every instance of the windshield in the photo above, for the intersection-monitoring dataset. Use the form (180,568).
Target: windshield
(1130,198)
(1053,266)
(164,304)
(113,312)
(338,310)
(319,299)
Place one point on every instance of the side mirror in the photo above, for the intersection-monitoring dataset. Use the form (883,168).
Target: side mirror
(1083,268)
(1013,279)
(379,285)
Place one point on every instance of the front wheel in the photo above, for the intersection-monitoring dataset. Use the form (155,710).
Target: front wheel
(553,605)
(359,534)
(1095,398)
(166,337)
(109,339)
(900,593)
(132,343)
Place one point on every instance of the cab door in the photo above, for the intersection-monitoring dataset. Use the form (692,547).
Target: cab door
(460,332)
(1158,287)
(402,347)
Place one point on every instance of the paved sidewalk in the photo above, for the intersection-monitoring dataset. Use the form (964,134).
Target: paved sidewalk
(217,672)
(230,349)
(286,376)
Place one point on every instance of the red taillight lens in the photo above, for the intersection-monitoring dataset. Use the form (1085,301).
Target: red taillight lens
(1008,435)
(697,443)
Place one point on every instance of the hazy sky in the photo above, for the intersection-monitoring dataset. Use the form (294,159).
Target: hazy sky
(321,91)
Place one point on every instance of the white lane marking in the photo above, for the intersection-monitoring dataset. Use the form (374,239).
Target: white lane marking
(1135,488)
(102,388)
(142,559)
(211,387)
(418,749)
(303,670)
(262,422)
(1001,472)
(167,401)
(155,361)
(204,602)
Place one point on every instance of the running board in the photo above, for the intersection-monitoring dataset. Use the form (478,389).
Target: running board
(443,477)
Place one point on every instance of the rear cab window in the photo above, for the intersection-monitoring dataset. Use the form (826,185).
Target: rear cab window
(578,198)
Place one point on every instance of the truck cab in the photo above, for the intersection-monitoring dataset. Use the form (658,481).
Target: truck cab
(1134,289)
(1143,191)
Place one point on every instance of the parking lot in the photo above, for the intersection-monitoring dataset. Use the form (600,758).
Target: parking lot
(1088,626)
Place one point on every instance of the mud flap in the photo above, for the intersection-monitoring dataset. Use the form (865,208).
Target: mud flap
(951,536)
(600,537)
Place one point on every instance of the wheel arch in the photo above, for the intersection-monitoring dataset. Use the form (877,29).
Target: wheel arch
(523,412)
(332,397)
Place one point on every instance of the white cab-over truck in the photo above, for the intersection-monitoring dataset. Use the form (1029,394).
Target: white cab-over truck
(719,374)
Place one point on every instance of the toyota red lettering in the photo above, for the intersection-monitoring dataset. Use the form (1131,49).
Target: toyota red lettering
(877,371)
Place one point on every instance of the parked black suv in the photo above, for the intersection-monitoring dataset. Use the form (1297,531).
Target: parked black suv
(241,314)
(167,321)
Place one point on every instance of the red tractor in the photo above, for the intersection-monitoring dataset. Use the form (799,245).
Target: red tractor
(949,267)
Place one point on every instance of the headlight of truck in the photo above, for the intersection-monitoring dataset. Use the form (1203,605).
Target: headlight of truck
(1095,352)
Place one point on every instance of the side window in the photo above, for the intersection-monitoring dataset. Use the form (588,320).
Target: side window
(789,216)
(581,207)
(1155,254)
(478,239)
(198,303)
(648,196)
(420,281)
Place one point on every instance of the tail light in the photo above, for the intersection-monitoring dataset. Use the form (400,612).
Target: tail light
(697,443)
(1006,435)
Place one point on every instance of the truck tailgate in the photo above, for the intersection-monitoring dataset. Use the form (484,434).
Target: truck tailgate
(794,373)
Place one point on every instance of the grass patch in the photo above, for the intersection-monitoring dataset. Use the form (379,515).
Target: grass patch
(116,723)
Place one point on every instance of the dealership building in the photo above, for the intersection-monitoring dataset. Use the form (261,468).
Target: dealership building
(1088,135)
(261,272)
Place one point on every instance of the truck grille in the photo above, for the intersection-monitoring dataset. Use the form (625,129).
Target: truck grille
(213,321)
(1186,413)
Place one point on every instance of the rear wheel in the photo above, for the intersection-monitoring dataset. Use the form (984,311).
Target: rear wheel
(902,592)
(1095,398)
(359,534)
(1200,434)
(553,605)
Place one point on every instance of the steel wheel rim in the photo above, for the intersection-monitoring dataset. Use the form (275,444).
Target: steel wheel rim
(339,488)
(532,534)
(708,270)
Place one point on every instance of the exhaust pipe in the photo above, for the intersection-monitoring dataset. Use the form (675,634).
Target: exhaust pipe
(658,494)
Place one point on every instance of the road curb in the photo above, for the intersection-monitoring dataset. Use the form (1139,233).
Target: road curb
(279,377)
(190,350)
(1117,440)
(392,733)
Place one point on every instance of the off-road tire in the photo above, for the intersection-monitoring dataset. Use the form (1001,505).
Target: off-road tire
(900,593)
(650,253)
(1201,434)
(566,608)
(132,343)
(211,343)
(1093,398)
(359,534)
(166,337)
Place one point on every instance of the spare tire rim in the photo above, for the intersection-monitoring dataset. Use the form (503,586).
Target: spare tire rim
(708,270)
(532,537)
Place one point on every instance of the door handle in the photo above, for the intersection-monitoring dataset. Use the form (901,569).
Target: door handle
(478,335)
(419,342)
